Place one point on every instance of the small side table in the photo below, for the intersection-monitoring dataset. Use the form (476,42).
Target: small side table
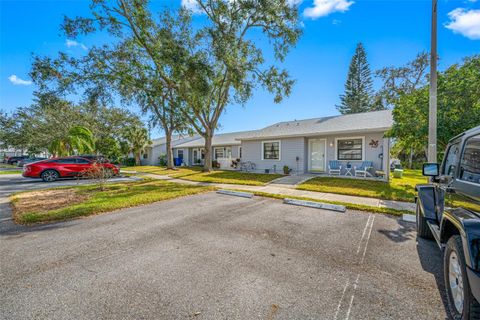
(349,171)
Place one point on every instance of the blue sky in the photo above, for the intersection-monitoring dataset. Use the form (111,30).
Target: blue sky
(393,32)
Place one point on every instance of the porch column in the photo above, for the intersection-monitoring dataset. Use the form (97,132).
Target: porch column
(386,158)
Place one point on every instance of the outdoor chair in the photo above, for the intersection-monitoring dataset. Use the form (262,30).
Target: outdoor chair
(334,167)
(362,170)
(247,166)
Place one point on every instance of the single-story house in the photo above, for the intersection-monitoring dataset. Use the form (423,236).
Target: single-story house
(309,145)
(225,148)
(158,148)
(304,146)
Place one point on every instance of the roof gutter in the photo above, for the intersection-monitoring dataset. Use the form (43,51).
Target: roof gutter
(314,134)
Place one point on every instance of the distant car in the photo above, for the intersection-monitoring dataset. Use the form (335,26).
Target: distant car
(52,169)
(23,162)
(14,160)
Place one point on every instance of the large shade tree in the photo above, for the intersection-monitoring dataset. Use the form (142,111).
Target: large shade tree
(398,82)
(204,68)
(458,106)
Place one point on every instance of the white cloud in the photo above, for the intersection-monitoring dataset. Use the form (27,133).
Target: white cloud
(191,5)
(294,2)
(72,43)
(322,8)
(465,22)
(17,81)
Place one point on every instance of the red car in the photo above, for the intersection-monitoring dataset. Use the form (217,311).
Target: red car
(52,169)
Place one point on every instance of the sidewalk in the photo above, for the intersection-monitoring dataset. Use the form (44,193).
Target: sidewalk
(288,191)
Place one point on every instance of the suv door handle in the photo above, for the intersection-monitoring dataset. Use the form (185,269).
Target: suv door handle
(447,189)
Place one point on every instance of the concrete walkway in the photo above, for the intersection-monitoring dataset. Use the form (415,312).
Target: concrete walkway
(291,181)
(288,190)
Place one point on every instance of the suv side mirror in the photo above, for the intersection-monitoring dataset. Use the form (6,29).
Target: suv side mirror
(431,169)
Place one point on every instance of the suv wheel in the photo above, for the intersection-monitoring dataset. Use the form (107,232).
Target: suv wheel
(461,303)
(423,230)
(50,175)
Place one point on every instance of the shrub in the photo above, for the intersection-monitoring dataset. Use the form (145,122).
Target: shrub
(163,160)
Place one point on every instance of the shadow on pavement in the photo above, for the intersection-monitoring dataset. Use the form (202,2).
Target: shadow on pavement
(402,234)
(431,259)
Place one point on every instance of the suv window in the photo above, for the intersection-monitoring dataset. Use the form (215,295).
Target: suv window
(451,159)
(470,163)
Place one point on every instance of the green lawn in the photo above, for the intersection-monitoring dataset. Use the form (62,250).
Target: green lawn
(218,176)
(401,189)
(89,199)
(4,165)
(11,172)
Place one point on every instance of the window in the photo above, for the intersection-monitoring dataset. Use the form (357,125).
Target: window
(180,154)
(219,153)
(222,152)
(271,150)
(451,159)
(145,156)
(470,163)
(65,160)
(350,149)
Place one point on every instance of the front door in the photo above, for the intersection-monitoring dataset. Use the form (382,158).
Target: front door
(316,154)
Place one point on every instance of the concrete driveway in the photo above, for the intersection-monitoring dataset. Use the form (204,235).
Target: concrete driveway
(213,256)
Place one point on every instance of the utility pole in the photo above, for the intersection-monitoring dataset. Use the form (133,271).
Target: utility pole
(432,110)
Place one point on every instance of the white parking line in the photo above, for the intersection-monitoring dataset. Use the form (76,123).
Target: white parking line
(363,244)
(341,299)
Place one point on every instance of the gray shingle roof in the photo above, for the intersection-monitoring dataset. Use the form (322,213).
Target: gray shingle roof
(350,123)
(176,139)
(222,139)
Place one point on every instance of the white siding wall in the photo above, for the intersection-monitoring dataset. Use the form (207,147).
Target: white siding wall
(290,149)
(154,154)
(371,154)
(298,147)
(188,153)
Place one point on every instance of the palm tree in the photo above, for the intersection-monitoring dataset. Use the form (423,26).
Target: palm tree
(78,139)
(137,139)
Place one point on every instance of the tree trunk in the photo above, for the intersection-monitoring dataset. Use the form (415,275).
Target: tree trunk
(137,159)
(410,159)
(168,137)
(207,166)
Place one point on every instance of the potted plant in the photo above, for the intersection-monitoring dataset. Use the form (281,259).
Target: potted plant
(286,170)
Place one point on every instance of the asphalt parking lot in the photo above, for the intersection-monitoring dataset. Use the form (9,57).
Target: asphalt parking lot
(214,256)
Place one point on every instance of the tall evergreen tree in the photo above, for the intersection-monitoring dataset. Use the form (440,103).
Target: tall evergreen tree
(358,96)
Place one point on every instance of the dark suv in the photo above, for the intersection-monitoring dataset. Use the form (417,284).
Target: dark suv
(448,210)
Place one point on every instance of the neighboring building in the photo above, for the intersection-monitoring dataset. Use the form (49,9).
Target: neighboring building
(309,145)
(158,148)
(225,148)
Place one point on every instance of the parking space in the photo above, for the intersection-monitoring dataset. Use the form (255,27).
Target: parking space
(215,256)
